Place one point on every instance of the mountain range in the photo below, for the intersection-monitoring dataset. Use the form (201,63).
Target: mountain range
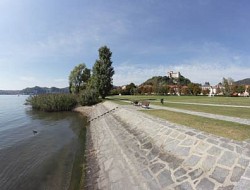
(35,90)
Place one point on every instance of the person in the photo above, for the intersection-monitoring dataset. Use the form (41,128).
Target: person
(162,101)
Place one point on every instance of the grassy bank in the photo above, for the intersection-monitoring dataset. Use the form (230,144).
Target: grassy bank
(217,127)
(227,111)
(242,101)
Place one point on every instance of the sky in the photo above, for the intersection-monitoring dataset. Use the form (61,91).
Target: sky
(41,41)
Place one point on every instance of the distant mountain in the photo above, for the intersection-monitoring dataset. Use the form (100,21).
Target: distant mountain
(9,92)
(243,82)
(35,90)
(165,80)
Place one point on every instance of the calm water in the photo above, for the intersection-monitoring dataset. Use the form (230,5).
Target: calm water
(36,161)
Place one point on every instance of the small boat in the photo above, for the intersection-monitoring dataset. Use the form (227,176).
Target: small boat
(35,132)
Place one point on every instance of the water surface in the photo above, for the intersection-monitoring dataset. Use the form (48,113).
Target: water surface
(36,161)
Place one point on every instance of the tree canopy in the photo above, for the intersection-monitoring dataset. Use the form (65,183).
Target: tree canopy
(78,78)
(103,72)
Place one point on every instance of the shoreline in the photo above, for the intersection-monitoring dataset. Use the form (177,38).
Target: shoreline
(90,166)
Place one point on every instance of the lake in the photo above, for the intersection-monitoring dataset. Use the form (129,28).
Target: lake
(42,160)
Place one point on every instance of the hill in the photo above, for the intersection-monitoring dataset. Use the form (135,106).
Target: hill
(243,82)
(164,80)
(35,90)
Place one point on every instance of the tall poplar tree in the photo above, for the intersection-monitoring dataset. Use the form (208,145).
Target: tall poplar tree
(103,72)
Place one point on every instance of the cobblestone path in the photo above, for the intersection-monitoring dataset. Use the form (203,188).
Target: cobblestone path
(137,151)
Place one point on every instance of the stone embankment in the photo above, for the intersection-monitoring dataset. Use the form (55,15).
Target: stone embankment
(135,151)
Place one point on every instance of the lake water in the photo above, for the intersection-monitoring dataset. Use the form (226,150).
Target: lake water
(37,161)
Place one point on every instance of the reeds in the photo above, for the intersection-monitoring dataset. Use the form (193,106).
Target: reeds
(52,102)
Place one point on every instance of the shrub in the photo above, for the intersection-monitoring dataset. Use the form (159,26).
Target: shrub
(52,102)
(89,97)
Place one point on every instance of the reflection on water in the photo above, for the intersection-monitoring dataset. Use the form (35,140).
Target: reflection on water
(43,160)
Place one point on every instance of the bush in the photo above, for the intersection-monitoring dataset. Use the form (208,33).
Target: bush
(89,97)
(52,102)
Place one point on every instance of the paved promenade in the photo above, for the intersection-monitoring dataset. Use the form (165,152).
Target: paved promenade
(137,151)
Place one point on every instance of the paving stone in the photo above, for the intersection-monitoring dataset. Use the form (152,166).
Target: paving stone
(239,150)
(190,133)
(182,151)
(147,145)
(220,174)
(108,163)
(202,137)
(147,175)
(205,184)
(171,146)
(174,134)
(247,173)
(195,174)
(243,184)
(213,141)
(225,140)
(181,179)
(180,172)
(165,178)
(153,185)
(227,146)
(246,152)
(151,156)
(184,186)
(187,142)
(193,160)
(115,175)
(155,151)
(181,137)
(237,173)
(202,146)
(208,163)
(174,164)
(229,187)
(215,151)
(243,162)
(155,168)
(227,159)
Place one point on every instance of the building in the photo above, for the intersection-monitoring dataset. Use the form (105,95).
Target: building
(173,75)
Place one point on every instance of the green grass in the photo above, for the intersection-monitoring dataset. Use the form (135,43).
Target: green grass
(242,101)
(228,111)
(217,127)
(117,101)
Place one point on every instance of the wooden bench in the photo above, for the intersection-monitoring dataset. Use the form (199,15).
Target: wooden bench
(145,104)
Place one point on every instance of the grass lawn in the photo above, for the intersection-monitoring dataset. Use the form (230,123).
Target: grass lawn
(192,99)
(217,127)
(233,112)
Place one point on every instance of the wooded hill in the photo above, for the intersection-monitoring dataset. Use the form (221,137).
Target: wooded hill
(165,80)
(243,82)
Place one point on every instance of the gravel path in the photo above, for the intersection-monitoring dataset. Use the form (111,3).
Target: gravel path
(137,151)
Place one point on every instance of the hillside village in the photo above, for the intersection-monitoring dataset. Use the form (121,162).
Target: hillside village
(176,84)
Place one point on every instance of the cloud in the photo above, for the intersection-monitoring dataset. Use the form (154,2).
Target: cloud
(126,73)
(210,61)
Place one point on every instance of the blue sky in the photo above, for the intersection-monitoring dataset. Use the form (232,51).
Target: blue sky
(41,41)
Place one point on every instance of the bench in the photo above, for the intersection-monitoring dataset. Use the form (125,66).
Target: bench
(145,104)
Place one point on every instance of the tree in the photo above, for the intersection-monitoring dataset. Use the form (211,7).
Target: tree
(227,84)
(103,72)
(78,78)
(194,88)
